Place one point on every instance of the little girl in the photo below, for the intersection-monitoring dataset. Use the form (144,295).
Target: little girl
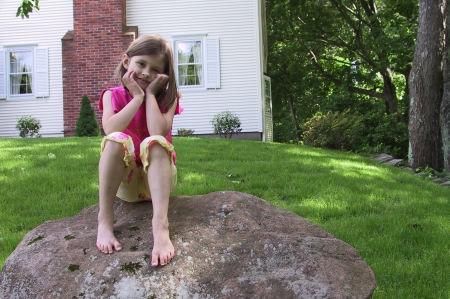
(137,162)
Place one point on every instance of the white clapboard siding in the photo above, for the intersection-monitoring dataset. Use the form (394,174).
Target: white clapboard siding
(45,28)
(235,24)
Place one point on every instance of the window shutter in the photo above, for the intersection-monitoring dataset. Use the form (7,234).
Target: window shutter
(172,44)
(212,63)
(175,68)
(2,75)
(42,78)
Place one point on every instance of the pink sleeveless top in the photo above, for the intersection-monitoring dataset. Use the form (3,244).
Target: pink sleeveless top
(137,129)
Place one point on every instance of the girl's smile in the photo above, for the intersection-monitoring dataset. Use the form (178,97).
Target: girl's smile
(142,81)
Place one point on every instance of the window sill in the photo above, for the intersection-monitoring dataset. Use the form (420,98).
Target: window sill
(192,89)
(20,98)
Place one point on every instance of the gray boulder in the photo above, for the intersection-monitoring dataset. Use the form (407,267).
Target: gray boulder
(227,245)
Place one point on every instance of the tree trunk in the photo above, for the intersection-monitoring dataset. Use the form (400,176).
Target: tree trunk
(294,119)
(406,98)
(425,89)
(389,94)
(445,105)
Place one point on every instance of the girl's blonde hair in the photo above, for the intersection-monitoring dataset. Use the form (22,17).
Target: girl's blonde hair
(154,45)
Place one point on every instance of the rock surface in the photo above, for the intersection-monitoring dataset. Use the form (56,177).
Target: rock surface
(227,245)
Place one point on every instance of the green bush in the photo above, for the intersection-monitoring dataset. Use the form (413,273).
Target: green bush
(182,132)
(28,127)
(334,130)
(384,134)
(87,124)
(226,124)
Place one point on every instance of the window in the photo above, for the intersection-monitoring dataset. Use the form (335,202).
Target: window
(196,61)
(23,72)
(20,72)
(190,63)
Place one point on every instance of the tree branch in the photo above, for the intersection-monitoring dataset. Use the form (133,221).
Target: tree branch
(27,7)
(357,33)
(329,76)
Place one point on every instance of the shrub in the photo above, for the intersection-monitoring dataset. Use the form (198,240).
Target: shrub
(185,132)
(226,124)
(334,130)
(384,133)
(87,124)
(28,126)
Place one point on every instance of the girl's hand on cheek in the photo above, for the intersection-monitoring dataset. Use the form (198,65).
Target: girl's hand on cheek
(131,84)
(157,84)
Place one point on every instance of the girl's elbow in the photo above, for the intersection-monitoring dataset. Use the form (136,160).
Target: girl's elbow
(108,130)
(159,131)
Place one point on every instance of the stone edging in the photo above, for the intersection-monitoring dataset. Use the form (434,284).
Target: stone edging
(389,160)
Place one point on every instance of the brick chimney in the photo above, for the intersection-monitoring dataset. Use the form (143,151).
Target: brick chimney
(90,54)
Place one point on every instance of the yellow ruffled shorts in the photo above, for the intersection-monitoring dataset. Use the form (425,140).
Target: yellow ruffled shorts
(134,186)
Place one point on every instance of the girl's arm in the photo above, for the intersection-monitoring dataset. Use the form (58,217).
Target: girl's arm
(158,123)
(118,122)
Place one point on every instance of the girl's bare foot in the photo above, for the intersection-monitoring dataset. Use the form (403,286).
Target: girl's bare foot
(163,250)
(106,241)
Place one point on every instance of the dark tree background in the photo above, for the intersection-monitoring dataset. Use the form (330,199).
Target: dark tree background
(334,55)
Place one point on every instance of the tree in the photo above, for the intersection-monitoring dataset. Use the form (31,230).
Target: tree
(445,105)
(358,46)
(27,7)
(331,55)
(426,95)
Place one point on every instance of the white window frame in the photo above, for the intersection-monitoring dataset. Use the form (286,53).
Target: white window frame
(40,72)
(210,60)
(202,62)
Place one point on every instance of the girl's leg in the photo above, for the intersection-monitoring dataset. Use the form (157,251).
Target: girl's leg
(160,178)
(111,169)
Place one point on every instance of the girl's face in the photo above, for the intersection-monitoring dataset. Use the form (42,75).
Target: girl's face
(145,67)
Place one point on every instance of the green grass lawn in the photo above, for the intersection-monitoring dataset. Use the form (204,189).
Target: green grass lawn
(399,223)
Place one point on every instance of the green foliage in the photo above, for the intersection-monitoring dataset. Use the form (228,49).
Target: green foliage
(26,7)
(87,124)
(372,132)
(182,132)
(28,127)
(430,172)
(334,130)
(383,133)
(334,55)
(226,124)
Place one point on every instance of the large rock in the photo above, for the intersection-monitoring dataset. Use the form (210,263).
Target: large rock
(227,244)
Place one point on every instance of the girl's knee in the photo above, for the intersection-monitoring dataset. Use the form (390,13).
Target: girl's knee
(155,148)
(113,147)
(156,152)
(156,145)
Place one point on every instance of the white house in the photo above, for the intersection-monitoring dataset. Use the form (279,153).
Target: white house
(226,41)
(33,44)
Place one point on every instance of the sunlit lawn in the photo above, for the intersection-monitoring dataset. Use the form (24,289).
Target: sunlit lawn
(399,223)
